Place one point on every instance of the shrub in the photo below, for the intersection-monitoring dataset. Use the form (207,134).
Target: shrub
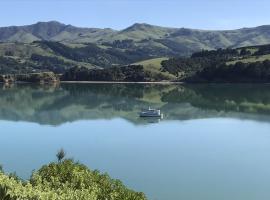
(66,180)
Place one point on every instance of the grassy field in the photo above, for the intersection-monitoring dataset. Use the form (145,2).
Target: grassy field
(154,66)
(251,59)
(154,63)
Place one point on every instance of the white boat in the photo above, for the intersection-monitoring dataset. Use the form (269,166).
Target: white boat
(150,112)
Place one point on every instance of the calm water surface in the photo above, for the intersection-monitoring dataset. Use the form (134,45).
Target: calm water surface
(213,143)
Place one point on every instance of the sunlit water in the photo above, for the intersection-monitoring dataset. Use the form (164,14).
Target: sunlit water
(213,143)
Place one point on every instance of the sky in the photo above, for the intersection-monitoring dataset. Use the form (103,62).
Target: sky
(119,14)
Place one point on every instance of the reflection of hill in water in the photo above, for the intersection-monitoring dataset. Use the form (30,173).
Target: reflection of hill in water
(71,102)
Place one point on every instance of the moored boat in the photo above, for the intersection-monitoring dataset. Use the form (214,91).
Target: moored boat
(150,112)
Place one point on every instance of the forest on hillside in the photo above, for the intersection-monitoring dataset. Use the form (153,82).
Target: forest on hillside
(92,63)
(247,64)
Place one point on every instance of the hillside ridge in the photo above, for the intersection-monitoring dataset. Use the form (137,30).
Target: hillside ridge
(183,40)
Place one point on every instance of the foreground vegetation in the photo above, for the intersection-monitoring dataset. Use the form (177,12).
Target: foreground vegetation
(65,180)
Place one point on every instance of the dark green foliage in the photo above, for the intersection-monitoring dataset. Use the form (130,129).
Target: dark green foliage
(50,63)
(44,77)
(4,194)
(90,54)
(245,52)
(60,155)
(9,53)
(78,54)
(211,66)
(12,66)
(186,67)
(220,54)
(93,54)
(121,44)
(263,50)
(14,176)
(37,63)
(239,72)
(126,73)
(129,55)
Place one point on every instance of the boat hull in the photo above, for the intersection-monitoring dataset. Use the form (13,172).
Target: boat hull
(151,115)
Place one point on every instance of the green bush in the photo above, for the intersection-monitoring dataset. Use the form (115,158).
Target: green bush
(68,181)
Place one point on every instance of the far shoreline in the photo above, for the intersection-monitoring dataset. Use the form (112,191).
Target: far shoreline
(132,82)
(123,82)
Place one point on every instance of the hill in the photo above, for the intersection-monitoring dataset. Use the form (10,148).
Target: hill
(58,57)
(52,30)
(69,50)
(154,40)
(90,62)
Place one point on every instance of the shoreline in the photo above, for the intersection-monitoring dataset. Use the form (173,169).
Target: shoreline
(98,82)
(121,82)
(133,82)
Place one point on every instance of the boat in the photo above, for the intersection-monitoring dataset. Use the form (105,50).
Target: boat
(150,112)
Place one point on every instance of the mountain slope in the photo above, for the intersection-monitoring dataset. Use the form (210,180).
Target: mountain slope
(58,57)
(51,31)
(159,41)
(59,47)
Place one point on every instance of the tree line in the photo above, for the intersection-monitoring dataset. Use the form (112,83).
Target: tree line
(216,66)
(126,73)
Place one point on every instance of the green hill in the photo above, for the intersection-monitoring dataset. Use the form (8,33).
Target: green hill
(34,57)
(53,46)
(157,41)
(58,57)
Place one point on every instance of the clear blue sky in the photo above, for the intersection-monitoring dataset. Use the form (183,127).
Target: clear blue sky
(118,14)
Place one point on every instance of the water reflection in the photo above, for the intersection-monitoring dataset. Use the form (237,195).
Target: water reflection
(55,105)
(168,160)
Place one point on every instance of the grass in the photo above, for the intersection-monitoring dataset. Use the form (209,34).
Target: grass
(154,66)
(251,59)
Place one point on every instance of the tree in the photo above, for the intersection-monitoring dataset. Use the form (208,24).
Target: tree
(60,155)
(245,52)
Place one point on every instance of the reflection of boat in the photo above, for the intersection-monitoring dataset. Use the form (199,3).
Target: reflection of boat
(150,112)
(150,120)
